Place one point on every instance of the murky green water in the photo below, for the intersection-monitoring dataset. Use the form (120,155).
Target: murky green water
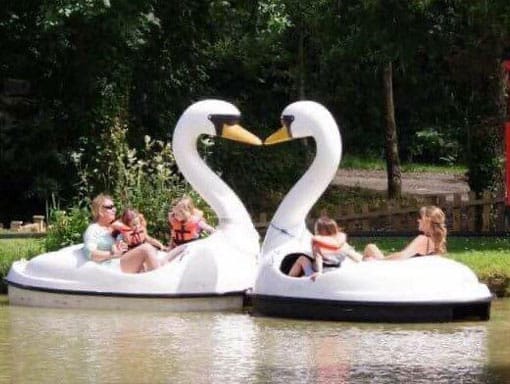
(68,346)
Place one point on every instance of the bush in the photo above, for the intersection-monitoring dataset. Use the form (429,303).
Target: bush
(16,249)
(432,147)
(146,179)
(66,228)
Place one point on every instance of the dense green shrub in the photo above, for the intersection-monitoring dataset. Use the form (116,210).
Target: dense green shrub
(145,179)
(66,227)
(431,146)
(16,249)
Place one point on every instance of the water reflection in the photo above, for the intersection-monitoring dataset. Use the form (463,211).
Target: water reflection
(44,345)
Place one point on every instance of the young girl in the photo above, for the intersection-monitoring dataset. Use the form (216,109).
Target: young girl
(132,229)
(329,250)
(186,222)
(431,241)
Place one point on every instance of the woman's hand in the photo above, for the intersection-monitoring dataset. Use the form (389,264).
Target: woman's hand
(119,248)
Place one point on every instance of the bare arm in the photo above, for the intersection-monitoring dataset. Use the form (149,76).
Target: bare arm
(100,246)
(318,261)
(99,256)
(155,242)
(206,227)
(336,241)
(416,246)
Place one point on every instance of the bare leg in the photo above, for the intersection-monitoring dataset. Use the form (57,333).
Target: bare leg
(173,254)
(371,252)
(299,266)
(133,261)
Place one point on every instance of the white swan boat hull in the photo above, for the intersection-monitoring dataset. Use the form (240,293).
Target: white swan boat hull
(421,289)
(193,282)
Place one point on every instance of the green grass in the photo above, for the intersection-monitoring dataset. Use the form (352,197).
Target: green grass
(15,249)
(373,164)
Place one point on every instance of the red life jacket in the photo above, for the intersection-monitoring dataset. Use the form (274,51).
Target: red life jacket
(326,247)
(185,231)
(132,237)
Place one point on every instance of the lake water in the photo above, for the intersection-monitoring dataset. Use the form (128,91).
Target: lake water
(68,346)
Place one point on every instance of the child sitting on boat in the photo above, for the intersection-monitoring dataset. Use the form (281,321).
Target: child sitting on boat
(186,222)
(132,230)
(329,250)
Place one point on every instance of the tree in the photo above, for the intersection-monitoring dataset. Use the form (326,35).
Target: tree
(392,157)
(477,34)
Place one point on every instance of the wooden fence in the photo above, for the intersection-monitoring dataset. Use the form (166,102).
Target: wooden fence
(465,214)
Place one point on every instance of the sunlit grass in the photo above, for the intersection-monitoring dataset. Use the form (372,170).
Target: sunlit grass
(16,249)
(374,164)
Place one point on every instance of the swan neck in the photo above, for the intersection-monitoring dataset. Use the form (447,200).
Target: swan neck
(292,212)
(223,201)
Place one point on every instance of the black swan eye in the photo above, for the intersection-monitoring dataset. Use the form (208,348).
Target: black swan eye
(220,121)
(287,120)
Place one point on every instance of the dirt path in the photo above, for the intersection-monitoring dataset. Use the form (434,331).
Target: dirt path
(412,182)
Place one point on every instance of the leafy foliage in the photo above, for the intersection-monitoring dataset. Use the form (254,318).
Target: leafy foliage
(90,65)
(67,228)
(146,179)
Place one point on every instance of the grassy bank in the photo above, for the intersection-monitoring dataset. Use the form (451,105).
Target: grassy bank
(378,164)
(15,249)
(488,257)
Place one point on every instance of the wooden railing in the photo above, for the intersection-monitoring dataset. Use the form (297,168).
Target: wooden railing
(465,213)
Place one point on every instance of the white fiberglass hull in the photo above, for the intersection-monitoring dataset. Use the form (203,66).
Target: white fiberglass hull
(428,288)
(30,297)
(66,279)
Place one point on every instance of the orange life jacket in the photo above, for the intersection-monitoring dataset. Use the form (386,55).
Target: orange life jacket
(132,237)
(184,231)
(325,246)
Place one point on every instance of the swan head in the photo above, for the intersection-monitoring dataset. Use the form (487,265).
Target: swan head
(302,119)
(215,118)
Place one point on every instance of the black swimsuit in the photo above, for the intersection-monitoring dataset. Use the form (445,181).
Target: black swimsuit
(427,253)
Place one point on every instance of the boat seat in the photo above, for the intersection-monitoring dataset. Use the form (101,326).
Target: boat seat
(289,260)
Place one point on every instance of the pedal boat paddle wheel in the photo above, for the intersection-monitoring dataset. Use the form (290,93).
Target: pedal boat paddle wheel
(211,274)
(422,289)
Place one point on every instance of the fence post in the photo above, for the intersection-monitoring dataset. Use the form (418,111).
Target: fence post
(486,211)
(456,213)
(471,212)
(39,220)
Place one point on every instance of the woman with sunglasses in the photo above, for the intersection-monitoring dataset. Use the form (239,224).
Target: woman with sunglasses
(100,245)
(431,241)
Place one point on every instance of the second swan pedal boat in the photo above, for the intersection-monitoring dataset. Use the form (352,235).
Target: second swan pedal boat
(423,289)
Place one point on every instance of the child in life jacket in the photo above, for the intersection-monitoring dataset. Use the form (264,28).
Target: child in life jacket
(132,230)
(329,250)
(186,222)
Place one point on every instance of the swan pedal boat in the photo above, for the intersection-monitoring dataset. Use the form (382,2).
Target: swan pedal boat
(420,289)
(67,279)
(212,274)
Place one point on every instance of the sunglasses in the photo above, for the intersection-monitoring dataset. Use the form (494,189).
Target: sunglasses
(108,206)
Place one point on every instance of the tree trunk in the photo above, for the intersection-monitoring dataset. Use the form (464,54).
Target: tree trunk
(392,157)
(301,65)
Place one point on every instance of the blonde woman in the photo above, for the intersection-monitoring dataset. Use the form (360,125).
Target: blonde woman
(431,241)
(100,245)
